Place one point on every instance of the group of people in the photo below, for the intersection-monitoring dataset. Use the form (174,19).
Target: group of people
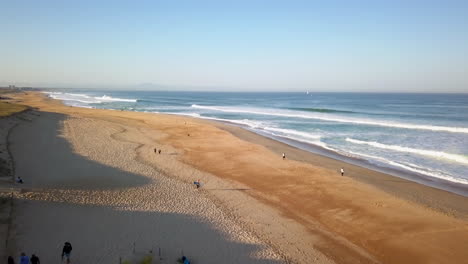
(25,259)
(66,251)
(156,150)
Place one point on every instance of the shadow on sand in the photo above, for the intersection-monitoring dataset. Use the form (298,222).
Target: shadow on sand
(45,159)
(101,233)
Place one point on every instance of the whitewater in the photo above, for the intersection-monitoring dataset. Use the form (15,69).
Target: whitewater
(422,134)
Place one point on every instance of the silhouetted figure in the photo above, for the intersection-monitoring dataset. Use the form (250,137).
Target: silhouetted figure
(11,260)
(19,180)
(35,259)
(155,150)
(159,151)
(66,251)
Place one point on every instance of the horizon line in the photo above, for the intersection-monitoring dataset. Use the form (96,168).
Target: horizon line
(228,91)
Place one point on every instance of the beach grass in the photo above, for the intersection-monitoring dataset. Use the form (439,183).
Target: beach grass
(7,108)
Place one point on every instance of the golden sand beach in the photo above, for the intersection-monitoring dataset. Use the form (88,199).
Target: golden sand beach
(92,177)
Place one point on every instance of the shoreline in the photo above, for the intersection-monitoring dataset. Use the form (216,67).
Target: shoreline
(420,178)
(366,216)
(437,183)
(397,186)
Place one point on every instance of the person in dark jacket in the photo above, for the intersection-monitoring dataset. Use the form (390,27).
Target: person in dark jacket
(66,251)
(11,260)
(34,259)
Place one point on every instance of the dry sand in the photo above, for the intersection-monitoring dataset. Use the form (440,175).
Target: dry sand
(93,178)
(84,184)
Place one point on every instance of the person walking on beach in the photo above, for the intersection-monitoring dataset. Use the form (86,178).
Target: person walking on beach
(342,172)
(155,150)
(24,259)
(159,151)
(66,251)
(35,259)
(284,156)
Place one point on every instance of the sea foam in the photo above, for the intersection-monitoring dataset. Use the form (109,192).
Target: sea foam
(429,153)
(86,99)
(412,167)
(331,118)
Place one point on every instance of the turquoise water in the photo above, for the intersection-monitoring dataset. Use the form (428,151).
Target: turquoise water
(422,134)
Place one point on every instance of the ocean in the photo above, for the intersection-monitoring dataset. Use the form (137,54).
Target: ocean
(423,137)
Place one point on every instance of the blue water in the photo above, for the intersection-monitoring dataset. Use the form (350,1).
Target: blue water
(424,134)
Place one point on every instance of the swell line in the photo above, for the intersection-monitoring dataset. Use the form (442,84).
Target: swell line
(340,120)
(423,152)
(413,168)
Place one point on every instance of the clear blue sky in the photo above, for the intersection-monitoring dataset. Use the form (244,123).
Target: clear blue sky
(237,45)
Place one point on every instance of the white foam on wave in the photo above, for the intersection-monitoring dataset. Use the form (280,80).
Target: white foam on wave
(115,99)
(258,125)
(184,114)
(86,99)
(164,107)
(413,168)
(292,132)
(66,98)
(316,142)
(328,117)
(428,153)
(80,95)
(245,122)
(284,133)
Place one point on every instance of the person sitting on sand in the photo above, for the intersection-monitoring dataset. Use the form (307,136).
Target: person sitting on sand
(66,251)
(185,260)
(19,180)
(197,183)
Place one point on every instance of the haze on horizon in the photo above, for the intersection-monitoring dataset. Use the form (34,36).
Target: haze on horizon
(377,46)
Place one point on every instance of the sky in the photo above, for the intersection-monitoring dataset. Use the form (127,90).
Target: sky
(376,46)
